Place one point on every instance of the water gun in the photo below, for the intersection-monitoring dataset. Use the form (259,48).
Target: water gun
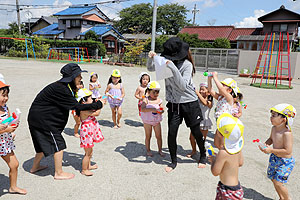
(243,105)
(160,111)
(13,119)
(262,145)
(210,149)
(117,97)
(207,73)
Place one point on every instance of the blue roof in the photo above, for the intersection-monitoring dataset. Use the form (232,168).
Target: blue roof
(49,30)
(75,10)
(101,29)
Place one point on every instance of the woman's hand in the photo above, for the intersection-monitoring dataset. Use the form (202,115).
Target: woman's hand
(151,54)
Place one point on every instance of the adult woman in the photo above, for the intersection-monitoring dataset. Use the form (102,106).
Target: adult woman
(181,97)
(48,116)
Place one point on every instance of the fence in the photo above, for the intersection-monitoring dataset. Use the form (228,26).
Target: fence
(209,59)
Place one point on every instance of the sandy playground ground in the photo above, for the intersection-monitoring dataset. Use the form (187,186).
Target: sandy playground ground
(124,171)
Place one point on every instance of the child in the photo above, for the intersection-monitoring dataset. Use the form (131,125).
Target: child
(140,90)
(206,103)
(76,117)
(6,142)
(229,158)
(227,91)
(281,162)
(151,114)
(89,131)
(115,97)
(94,86)
(236,110)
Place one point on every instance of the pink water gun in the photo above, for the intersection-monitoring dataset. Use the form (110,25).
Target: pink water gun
(262,145)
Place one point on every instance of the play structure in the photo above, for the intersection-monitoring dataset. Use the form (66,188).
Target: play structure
(24,39)
(273,62)
(77,54)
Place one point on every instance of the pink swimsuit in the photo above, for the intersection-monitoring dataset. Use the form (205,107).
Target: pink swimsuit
(151,118)
(90,132)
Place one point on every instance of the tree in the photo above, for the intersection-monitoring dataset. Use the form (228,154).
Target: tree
(193,40)
(14,29)
(159,41)
(91,35)
(221,43)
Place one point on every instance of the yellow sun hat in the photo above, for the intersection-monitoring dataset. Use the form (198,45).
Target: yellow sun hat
(153,85)
(230,83)
(82,93)
(93,73)
(116,73)
(287,110)
(233,131)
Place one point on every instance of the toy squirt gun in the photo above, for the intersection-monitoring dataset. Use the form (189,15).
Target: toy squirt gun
(14,119)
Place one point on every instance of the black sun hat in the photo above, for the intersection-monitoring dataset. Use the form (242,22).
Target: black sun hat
(175,49)
(69,72)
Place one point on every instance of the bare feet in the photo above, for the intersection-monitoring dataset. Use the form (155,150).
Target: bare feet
(77,135)
(95,166)
(36,169)
(149,153)
(87,173)
(17,190)
(201,165)
(161,154)
(63,176)
(191,154)
(170,167)
(119,125)
(116,127)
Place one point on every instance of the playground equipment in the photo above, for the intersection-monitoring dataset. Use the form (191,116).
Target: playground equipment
(280,69)
(77,54)
(25,39)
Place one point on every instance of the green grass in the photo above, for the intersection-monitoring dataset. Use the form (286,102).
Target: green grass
(271,86)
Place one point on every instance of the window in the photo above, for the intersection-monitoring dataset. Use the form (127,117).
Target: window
(75,23)
(276,27)
(64,21)
(110,44)
(283,27)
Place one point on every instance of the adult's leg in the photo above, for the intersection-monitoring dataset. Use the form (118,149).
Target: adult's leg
(13,165)
(59,173)
(148,133)
(36,163)
(196,132)
(157,130)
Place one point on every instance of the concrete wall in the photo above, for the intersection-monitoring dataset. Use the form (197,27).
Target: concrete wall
(248,60)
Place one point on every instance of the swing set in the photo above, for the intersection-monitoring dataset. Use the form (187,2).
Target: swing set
(24,39)
(77,54)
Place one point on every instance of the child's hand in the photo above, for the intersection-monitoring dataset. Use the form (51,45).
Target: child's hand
(160,111)
(266,150)
(214,74)
(11,129)
(151,54)
(103,101)
(3,127)
(211,159)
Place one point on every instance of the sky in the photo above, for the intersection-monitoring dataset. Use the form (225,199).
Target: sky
(239,13)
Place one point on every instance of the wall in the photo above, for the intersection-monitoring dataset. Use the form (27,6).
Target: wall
(248,60)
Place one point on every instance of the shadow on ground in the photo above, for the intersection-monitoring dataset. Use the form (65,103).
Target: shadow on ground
(69,159)
(136,152)
(69,131)
(250,193)
(106,123)
(4,184)
(130,122)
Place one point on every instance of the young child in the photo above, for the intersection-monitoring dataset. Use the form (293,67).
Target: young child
(140,90)
(115,97)
(7,146)
(206,103)
(90,132)
(281,162)
(76,117)
(94,86)
(236,110)
(227,91)
(229,158)
(151,114)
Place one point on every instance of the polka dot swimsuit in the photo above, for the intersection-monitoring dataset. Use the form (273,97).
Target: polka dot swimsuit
(6,141)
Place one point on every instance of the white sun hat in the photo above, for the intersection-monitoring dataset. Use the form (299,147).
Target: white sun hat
(142,74)
(287,110)
(232,129)
(2,78)
(230,83)
(82,93)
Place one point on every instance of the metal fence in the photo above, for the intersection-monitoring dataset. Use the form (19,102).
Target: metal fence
(209,59)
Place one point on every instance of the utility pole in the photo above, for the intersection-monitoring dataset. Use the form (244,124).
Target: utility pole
(18,16)
(154,25)
(194,11)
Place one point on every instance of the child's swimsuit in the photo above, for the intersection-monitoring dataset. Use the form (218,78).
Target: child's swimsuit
(280,168)
(152,118)
(96,92)
(235,110)
(6,141)
(206,123)
(229,192)
(90,132)
(113,102)
(222,107)
(140,106)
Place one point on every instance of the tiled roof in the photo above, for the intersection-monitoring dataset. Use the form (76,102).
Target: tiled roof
(75,10)
(243,31)
(49,30)
(101,29)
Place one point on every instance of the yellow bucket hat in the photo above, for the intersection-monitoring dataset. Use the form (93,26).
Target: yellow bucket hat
(233,130)
(93,73)
(153,85)
(287,110)
(230,83)
(82,93)
(116,73)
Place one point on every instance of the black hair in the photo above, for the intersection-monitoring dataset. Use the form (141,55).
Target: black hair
(148,90)
(83,99)
(282,116)
(110,80)
(210,98)
(143,76)
(5,89)
(81,83)
(240,96)
(92,76)
(73,86)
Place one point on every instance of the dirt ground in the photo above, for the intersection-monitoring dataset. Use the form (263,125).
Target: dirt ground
(124,171)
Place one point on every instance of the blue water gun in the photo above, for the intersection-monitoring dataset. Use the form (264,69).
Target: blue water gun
(210,149)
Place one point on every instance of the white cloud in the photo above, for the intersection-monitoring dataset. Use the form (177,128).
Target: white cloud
(251,21)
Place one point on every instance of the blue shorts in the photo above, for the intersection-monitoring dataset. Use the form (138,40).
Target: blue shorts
(280,168)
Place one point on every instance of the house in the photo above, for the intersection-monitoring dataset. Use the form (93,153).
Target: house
(42,23)
(75,21)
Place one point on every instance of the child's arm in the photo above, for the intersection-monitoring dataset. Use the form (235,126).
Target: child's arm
(287,146)
(144,109)
(211,91)
(241,160)
(122,93)
(217,163)
(203,101)
(150,63)
(239,114)
(8,129)
(95,113)
(137,94)
(161,108)
(222,90)
(91,87)
(107,89)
